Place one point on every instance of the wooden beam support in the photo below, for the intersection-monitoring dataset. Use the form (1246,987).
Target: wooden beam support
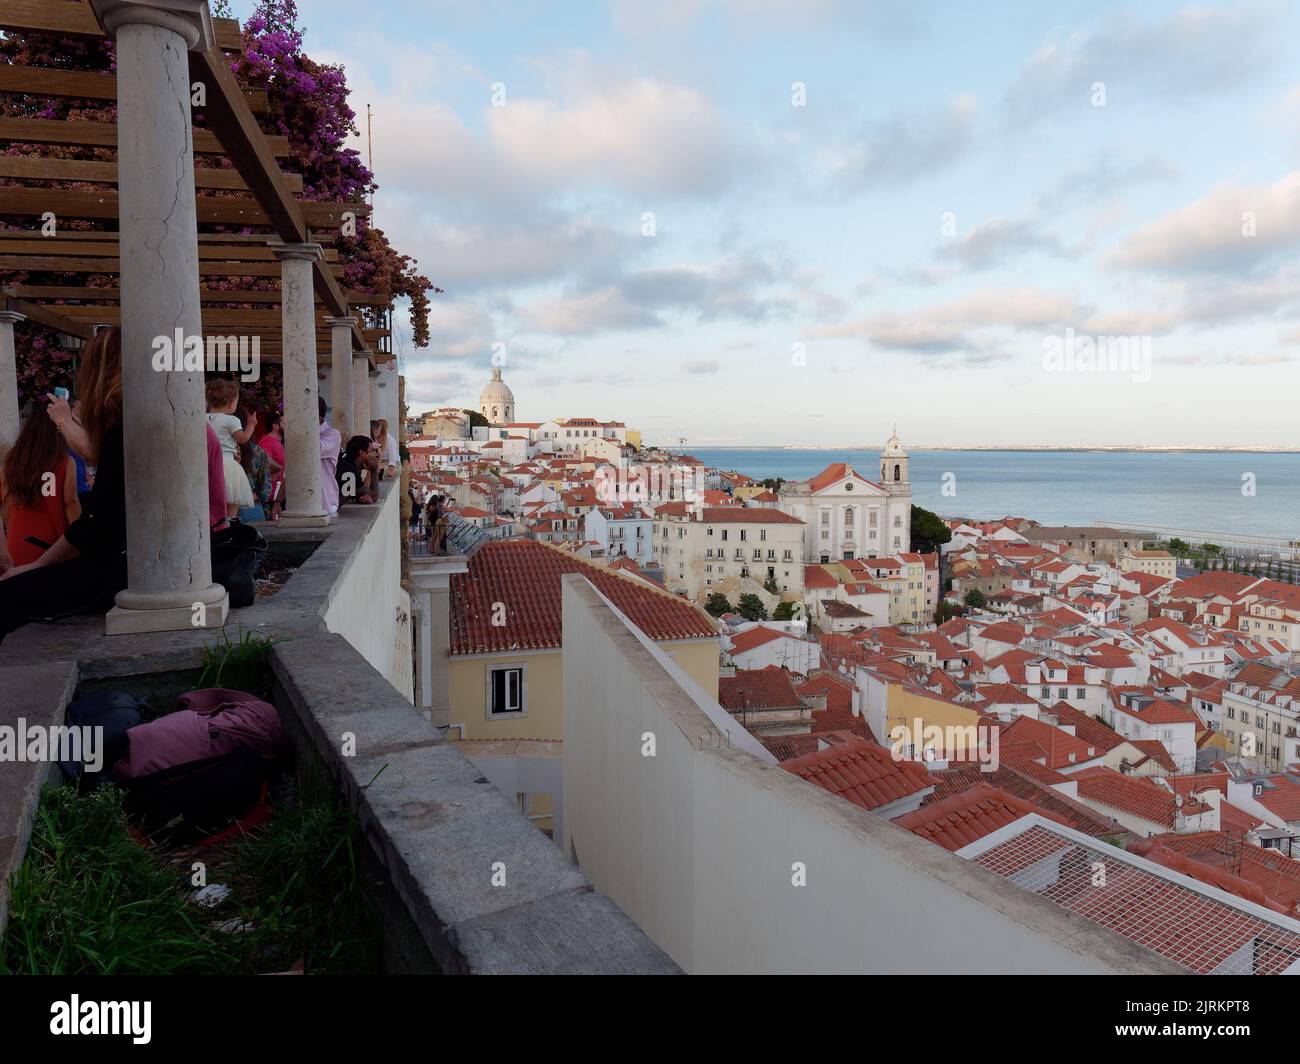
(104,134)
(211,210)
(85,85)
(48,168)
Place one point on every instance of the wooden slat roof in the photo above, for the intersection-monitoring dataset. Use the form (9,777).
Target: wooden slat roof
(268,200)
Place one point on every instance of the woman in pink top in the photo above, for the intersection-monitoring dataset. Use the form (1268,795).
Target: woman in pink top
(273,444)
(216,481)
(331,442)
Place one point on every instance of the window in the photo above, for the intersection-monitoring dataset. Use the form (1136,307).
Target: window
(762,534)
(506,690)
(1080,692)
(787,557)
(1047,692)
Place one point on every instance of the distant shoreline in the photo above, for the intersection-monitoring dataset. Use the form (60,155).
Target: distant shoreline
(1005,449)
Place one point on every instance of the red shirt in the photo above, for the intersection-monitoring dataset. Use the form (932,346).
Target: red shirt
(46,521)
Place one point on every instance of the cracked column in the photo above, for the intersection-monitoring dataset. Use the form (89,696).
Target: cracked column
(341,375)
(169,561)
(361,393)
(302,495)
(8,380)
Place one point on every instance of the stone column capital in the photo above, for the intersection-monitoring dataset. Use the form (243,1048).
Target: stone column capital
(11,317)
(191,19)
(341,323)
(283,251)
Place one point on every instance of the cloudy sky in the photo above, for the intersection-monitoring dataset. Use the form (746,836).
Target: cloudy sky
(799,221)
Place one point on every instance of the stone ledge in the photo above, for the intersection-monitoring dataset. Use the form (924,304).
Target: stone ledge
(38,694)
(296,610)
(440,830)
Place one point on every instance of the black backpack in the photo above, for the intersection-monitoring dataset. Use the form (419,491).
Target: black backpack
(115,713)
(237,550)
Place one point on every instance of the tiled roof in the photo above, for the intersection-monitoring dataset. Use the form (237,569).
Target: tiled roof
(863,773)
(961,819)
(1139,796)
(758,689)
(1015,781)
(1277,875)
(1282,798)
(754,637)
(1089,729)
(523,576)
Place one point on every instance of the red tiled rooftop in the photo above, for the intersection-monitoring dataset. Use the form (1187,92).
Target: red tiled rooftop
(758,689)
(524,577)
(961,819)
(861,772)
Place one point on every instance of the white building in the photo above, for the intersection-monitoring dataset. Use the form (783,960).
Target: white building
(623,531)
(845,515)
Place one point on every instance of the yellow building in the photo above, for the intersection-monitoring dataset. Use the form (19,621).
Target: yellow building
(506,637)
(1154,562)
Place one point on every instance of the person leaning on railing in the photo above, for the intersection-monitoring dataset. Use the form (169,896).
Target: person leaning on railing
(86,566)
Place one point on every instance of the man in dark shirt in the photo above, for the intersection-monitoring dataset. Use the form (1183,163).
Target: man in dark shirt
(356,472)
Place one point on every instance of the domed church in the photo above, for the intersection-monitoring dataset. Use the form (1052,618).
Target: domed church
(497,402)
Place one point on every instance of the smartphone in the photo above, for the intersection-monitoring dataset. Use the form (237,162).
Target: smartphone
(62,393)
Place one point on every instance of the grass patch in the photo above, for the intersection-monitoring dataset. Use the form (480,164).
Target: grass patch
(90,900)
(238,665)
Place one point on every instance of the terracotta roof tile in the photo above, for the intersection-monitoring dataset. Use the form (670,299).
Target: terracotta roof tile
(524,576)
(863,773)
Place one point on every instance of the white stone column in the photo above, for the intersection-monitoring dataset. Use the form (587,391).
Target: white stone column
(303,505)
(169,564)
(361,393)
(8,380)
(341,375)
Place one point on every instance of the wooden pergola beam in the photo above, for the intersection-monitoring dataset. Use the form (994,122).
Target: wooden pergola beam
(93,244)
(104,134)
(49,317)
(211,210)
(48,168)
(74,18)
(85,85)
(111,265)
(207,295)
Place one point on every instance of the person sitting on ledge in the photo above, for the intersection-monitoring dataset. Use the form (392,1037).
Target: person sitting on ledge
(356,472)
(38,492)
(86,566)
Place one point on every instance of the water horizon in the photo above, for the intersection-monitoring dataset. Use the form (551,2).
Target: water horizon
(1235,493)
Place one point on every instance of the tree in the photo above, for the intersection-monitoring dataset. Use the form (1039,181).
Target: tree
(717,604)
(476,420)
(769,585)
(929,531)
(946,611)
(974,598)
(751,608)
(784,611)
(1179,547)
(772,483)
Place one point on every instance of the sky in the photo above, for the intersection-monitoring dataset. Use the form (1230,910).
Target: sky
(802,222)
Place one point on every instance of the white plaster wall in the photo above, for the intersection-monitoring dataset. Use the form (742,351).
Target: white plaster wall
(697,843)
(364,603)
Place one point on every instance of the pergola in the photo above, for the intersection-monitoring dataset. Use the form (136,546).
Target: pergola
(167,50)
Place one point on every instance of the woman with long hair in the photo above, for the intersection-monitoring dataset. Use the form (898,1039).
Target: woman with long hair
(389,455)
(38,491)
(86,566)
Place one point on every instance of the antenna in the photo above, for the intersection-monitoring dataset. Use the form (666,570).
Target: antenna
(370,160)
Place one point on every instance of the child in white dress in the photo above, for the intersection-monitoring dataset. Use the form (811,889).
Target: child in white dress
(223,398)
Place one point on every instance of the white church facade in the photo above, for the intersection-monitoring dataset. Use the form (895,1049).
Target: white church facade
(846,515)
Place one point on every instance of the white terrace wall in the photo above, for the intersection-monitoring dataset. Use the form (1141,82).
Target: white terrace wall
(366,604)
(699,843)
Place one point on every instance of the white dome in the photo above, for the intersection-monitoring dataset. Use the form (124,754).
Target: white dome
(497,392)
